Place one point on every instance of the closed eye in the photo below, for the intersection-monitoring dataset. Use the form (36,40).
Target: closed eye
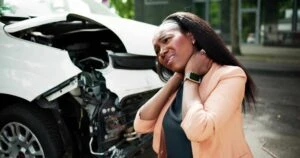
(165,40)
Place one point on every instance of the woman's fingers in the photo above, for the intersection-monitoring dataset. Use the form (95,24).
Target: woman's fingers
(198,63)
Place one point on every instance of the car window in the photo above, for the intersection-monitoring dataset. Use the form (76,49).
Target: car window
(25,8)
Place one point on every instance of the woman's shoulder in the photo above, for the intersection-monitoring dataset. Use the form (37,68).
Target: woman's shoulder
(229,70)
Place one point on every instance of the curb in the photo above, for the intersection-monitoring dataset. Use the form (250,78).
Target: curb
(277,68)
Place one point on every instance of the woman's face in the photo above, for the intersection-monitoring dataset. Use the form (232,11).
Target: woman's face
(173,48)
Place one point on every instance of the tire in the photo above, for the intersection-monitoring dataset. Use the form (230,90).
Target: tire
(28,131)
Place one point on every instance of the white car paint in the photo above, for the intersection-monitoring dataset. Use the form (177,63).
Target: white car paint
(29,69)
(127,82)
(136,36)
(35,8)
(25,24)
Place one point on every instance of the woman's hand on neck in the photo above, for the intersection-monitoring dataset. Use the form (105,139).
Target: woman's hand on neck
(198,63)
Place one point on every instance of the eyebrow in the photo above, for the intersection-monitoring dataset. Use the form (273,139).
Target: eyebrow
(161,36)
(158,38)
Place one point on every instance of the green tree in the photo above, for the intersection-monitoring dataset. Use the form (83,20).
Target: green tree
(124,8)
(3,7)
(235,44)
(215,13)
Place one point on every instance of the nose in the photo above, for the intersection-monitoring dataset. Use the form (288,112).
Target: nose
(163,51)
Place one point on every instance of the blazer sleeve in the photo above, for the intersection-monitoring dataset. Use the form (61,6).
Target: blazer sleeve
(143,126)
(221,104)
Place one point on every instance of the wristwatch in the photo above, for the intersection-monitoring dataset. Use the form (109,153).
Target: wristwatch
(191,76)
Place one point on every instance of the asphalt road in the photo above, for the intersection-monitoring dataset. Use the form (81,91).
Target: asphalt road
(273,128)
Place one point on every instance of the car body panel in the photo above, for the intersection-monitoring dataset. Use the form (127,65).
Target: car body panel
(136,36)
(25,24)
(128,82)
(34,8)
(29,69)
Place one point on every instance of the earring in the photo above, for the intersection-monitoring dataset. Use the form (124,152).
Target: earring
(193,42)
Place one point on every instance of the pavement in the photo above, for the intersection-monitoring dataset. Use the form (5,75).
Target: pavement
(271,59)
(268,60)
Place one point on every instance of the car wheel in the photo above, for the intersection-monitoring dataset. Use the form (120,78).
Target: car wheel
(28,131)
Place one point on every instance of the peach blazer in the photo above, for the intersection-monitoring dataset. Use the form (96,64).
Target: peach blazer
(215,129)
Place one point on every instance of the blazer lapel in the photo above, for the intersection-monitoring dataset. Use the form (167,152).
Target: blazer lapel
(209,82)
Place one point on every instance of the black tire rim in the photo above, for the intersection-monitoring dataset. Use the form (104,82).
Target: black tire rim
(17,140)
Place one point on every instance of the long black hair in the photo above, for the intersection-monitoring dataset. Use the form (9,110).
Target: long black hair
(207,39)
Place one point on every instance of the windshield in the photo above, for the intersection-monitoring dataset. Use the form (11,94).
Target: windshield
(23,8)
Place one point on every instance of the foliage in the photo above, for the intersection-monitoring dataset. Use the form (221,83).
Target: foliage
(3,8)
(125,8)
(283,5)
(215,13)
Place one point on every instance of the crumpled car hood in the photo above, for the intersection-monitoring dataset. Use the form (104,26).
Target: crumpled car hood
(136,36)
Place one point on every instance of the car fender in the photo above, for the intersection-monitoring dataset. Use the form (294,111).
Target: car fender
(29,69)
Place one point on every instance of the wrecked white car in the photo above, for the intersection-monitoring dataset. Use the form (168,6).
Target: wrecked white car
(71,84)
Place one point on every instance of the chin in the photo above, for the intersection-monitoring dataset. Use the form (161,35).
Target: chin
(175,67)
(179,70)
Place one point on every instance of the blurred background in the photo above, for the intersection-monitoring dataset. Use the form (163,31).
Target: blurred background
(264,35)
(274,22)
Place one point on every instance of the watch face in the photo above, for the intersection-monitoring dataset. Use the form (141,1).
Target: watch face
(194,76)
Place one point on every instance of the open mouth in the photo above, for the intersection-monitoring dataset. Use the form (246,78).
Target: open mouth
(168,59)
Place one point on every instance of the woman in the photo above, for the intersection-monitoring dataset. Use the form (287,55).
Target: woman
(198,113)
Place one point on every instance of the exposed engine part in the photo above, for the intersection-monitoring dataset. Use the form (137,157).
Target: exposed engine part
(110,121)
(131,135)
(61,91)
(107,122)
(113,150)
